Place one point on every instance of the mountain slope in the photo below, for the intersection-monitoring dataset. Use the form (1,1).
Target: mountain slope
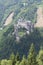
(6,7)
(25,9)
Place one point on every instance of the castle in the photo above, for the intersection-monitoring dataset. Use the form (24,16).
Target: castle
(21,23)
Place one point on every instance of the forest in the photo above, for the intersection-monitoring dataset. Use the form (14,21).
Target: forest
(31,59)
(29,49)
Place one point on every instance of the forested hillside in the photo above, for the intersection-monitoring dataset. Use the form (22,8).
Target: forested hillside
(31,59)
(25,9)
(20,9)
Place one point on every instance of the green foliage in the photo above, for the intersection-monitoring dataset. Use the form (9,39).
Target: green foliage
(40,57)
(17,63)
(12,58)
(31,59)
(17,57)
(8,43)
(32,56)
(24,61)
(21,8)
(4,62)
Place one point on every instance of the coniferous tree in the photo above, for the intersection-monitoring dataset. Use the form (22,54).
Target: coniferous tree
(32,56)
(4,62)
(9,62)
(0,62)
(17,57)
(24,61)
(17,63)
(40,57)
(12,57)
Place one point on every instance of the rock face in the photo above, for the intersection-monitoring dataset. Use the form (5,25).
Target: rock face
(39,17)
(28,25)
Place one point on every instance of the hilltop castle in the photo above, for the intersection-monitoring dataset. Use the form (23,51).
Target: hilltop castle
(21,23)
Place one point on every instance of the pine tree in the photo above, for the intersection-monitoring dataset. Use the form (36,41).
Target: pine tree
(4,62)
(40,57)
(17,63)
(24,61)
(32,56)
(17,57)
(12,57)
(0,62)
(9,62)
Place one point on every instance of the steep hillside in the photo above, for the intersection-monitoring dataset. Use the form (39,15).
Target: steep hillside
(6,7)
(8,43)
(21,9)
